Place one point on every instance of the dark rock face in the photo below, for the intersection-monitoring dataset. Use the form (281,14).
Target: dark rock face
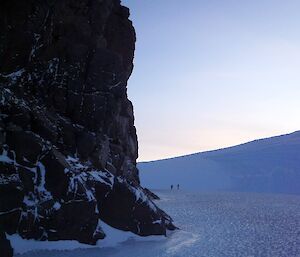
(68,143)
(6,250)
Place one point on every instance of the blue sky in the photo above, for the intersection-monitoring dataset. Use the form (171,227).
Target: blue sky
(213,73)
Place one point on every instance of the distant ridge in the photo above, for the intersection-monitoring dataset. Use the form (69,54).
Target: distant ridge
(264,165)
(295,133)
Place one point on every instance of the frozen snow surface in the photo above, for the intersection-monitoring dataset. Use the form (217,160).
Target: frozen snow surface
(23,246)
(212,225)
(114,238)
(268,165)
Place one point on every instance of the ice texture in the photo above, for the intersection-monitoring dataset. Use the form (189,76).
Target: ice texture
(222,224)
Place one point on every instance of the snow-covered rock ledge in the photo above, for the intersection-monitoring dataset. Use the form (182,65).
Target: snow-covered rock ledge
(33,210)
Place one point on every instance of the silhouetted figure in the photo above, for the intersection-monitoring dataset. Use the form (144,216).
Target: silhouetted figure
(171,187)
(177,186)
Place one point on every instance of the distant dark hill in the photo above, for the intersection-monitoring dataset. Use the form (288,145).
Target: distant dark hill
(266,165)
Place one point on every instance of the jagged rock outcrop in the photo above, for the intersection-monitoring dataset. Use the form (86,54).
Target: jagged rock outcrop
(150,194)
(6,250)
(68,144)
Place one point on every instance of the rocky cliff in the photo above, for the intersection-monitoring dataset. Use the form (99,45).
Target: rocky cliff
(68,144)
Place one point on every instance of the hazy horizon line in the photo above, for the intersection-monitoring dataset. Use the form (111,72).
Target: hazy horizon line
(218,149)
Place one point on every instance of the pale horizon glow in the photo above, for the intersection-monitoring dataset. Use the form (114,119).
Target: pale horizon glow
(212,74)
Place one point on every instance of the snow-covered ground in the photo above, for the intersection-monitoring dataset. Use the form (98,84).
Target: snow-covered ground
(212,225)
(268,165)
